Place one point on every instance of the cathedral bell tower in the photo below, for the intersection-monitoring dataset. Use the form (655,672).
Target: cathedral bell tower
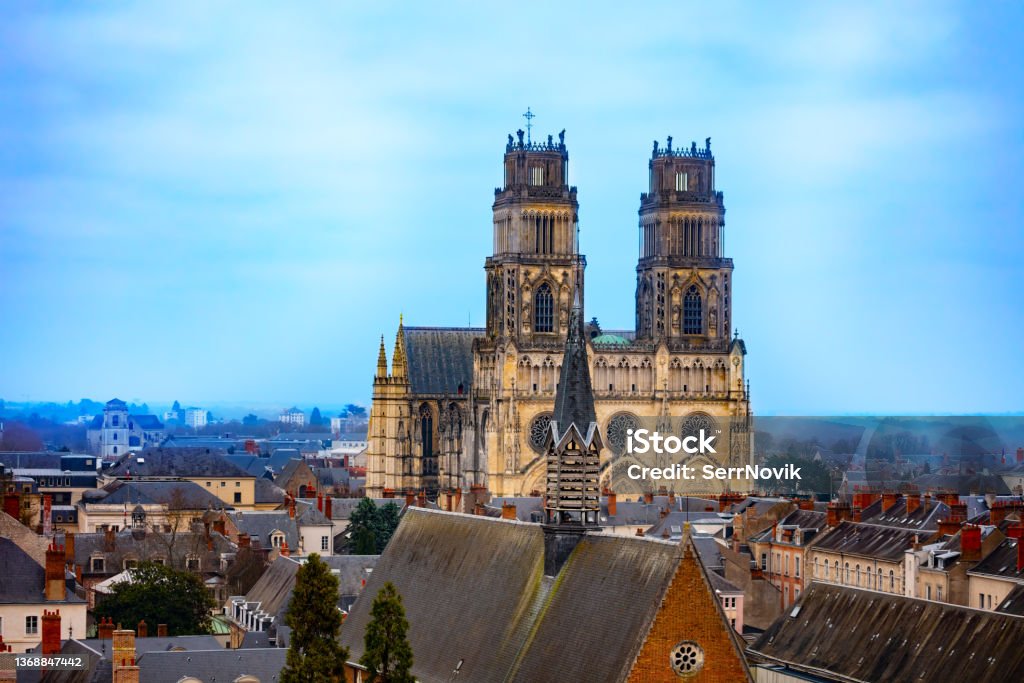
(684,280)
(536,262)
(572,503)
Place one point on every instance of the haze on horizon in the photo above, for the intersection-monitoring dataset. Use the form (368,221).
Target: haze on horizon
(230,204)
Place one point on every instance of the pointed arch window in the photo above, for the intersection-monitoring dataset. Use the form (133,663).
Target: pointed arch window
(544,311)
(426,431)
(692,319)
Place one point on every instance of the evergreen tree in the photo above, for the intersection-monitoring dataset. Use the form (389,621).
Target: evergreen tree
(387,522)
(364,517)
(364,542)
(315,419)
(388,656)
(314,653)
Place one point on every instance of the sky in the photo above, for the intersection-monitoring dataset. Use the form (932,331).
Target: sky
(233,201)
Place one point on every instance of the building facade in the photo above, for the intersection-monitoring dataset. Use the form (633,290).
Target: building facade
(117,432)
(463,407)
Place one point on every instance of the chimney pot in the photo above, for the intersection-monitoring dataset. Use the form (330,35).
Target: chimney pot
(612,504)
(161,630)
(508,511)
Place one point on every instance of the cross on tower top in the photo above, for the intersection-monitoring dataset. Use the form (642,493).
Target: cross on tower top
(529,115)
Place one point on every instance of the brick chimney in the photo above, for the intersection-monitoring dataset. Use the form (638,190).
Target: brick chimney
(648,497)
(1015,531)
(105,629)
(51,632)
(142,629)
(856,513)
(478,509)
(958,512)
(672,497)
(7,675)
(970,543)
(320,502)
(949,526)
(12,505)
(612,504)
(219,527)
(913,502)
(69,547)
(291,507)
(123,657)
(56,589)
(1020,554)
(243,541)
(889,499)
(410,498)
(284,549)
(161,630)
(421,499)
(328,507)
(109,540)
(508,511)
(837,512)
(389,493)
(997,514)
(806,504)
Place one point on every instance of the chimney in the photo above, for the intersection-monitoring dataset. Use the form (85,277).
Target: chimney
(161,630)
(997,514)
(612,507)
(458,500)
(958,512)
(672,497)
(125,670)
(410,498)
(389,493)
(806,504)
(105,629)
(889,499)
(328,507)
(291,507)
(639,532)
(7,675)
(78,574)
(508,511)
(51,632)
(913,502)
(1020,554)
(12,505)
(320,502)
(109,540)
(56,588)
(856,514)
(648,497)
(243,541)
(1015,531)
(284,549)
(142,629)
(421,499)
(69,547)
(970,543)
(949,526)
(219,527)
(478,509)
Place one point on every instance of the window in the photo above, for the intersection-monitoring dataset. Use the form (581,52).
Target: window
(938,593)
(31,625)
(692,318)
(764,561)
(97,565)
(115,436)
(129,564)
(115,450)
(981,601)
(192,563)
(797,567)
(682,181)
(208,484)
(858,574)
(929,593)
(892,580)
(116,421)
(796,593)
(846,571)
(536,175)
(223,484)
(325,542)
(237,484)
(238,496)
(544,310)
(276,539)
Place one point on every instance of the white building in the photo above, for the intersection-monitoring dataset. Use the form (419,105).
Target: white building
(117,432)
(293,416)
(196,417)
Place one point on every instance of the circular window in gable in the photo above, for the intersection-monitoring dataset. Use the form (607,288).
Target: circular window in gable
(539,431)
(686,658)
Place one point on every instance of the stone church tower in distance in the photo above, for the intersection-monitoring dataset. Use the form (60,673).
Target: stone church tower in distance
(472,406)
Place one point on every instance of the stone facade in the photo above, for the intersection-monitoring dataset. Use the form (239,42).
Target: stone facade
(470,406)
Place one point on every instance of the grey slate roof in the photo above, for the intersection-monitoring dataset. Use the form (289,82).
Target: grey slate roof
(474,589)
(176,462)
(862,635)
(186,494)
(868,540)
(212,665)
(274,587)
(440,358)
(267,492)
(574,399)
(139,545)
(1001,562)
(22,580)
(923,518)
(260,524)
(1013,603)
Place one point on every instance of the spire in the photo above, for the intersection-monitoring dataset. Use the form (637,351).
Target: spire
(398,357)
(574,401)
(382,360)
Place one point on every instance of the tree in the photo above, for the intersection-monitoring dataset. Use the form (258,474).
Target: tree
(364,541)
(315,418)
(250,420)
(387,522)
(176,407)
(355,411)
(314,653)
(160,595)
(388,656)
(371,527)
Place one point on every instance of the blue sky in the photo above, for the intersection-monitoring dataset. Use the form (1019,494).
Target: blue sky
(232,203)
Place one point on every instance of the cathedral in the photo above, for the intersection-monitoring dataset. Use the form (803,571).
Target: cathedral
(463,407)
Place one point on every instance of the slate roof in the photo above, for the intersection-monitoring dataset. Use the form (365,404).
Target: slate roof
(440,358)
(920,519)
(147,422)
(176,462)
(809,521)
(220,664)
(139,545)
(1013,603)
(574,399)
(22,580)
(30,460)
(267,492)
(862,635)
(1001,562)
(474,590)
(260,524)
(185,494)
(274,587)
(868,540)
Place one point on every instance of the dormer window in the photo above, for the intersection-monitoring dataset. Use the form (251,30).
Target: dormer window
(682,181)
(536,175)
(276,539)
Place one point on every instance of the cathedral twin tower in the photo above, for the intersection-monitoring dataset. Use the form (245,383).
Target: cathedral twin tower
(470,406)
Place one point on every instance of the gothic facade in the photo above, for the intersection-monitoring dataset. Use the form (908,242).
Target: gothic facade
(461,407)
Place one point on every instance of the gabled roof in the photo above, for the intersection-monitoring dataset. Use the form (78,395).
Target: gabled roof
(439,359)
(862,635)
(474,591)
(22,580)
(177,494)
(147,421)
(263,663)
(925,518)
(1001,562)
